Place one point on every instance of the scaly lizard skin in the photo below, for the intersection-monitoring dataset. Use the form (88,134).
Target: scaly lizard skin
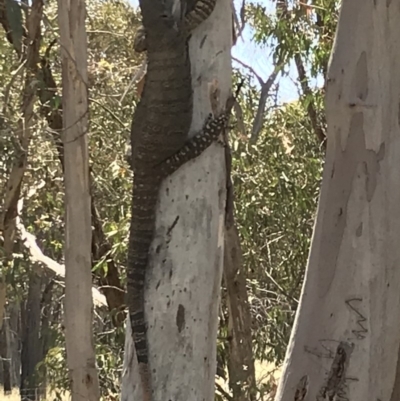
(197,11)
(160,145)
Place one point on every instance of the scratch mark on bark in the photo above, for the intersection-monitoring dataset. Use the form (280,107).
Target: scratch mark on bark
(175,222)
(362,332)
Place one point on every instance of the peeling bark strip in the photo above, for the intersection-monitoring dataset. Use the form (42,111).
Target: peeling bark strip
(350,294)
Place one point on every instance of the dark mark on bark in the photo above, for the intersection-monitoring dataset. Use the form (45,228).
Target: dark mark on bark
(334,387)
(362,332)
(301,389)
(180,318)
(173,225)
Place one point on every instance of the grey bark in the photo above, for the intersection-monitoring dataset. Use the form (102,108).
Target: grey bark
(182,297)
(242,379)
(5,356)
(14,313)
(31,345)
(346,335)
(78,280)
(240,353)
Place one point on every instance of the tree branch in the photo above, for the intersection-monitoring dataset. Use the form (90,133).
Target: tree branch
(265,89)
(36,255)
(113,289)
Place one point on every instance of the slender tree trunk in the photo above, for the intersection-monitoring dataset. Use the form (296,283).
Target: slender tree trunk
(183,281)
(78,280)
(240,356)
(31,347)
(242,379)
(14,340)
(2,299)
(46,340)
(12,190)
(5,357)
(346,335)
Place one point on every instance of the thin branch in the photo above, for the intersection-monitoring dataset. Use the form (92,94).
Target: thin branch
(7,89)
(238,26)
(108,110)
(265,89)
(250,68)
(140,73)
(223,392)
(311,109)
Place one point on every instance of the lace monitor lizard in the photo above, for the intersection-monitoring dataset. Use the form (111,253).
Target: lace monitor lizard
(160,144)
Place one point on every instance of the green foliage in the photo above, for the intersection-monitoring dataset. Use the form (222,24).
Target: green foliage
(276,184)
(109,356)
(297,29)
(14,16)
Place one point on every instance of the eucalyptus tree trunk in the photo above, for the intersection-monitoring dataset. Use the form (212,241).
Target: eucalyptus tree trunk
(182,288)
(346,336)
(2,299)
(31,352)
(5,356)
(78,277)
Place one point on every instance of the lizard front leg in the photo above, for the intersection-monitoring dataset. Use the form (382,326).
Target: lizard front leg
(196,145)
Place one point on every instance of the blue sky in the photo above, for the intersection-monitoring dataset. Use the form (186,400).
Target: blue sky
(259,57)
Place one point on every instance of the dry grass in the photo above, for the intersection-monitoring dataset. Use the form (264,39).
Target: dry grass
(266,373)
(15,396)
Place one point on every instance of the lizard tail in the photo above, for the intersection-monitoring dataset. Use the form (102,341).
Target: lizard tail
(140,239)
(201,11)
(145,379)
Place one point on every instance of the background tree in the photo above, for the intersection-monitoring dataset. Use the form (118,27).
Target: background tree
(78,278)
(276,181)
(352,277)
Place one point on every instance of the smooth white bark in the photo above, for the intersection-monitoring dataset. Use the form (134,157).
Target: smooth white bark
(78,277)
(183,286)
(351,293)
